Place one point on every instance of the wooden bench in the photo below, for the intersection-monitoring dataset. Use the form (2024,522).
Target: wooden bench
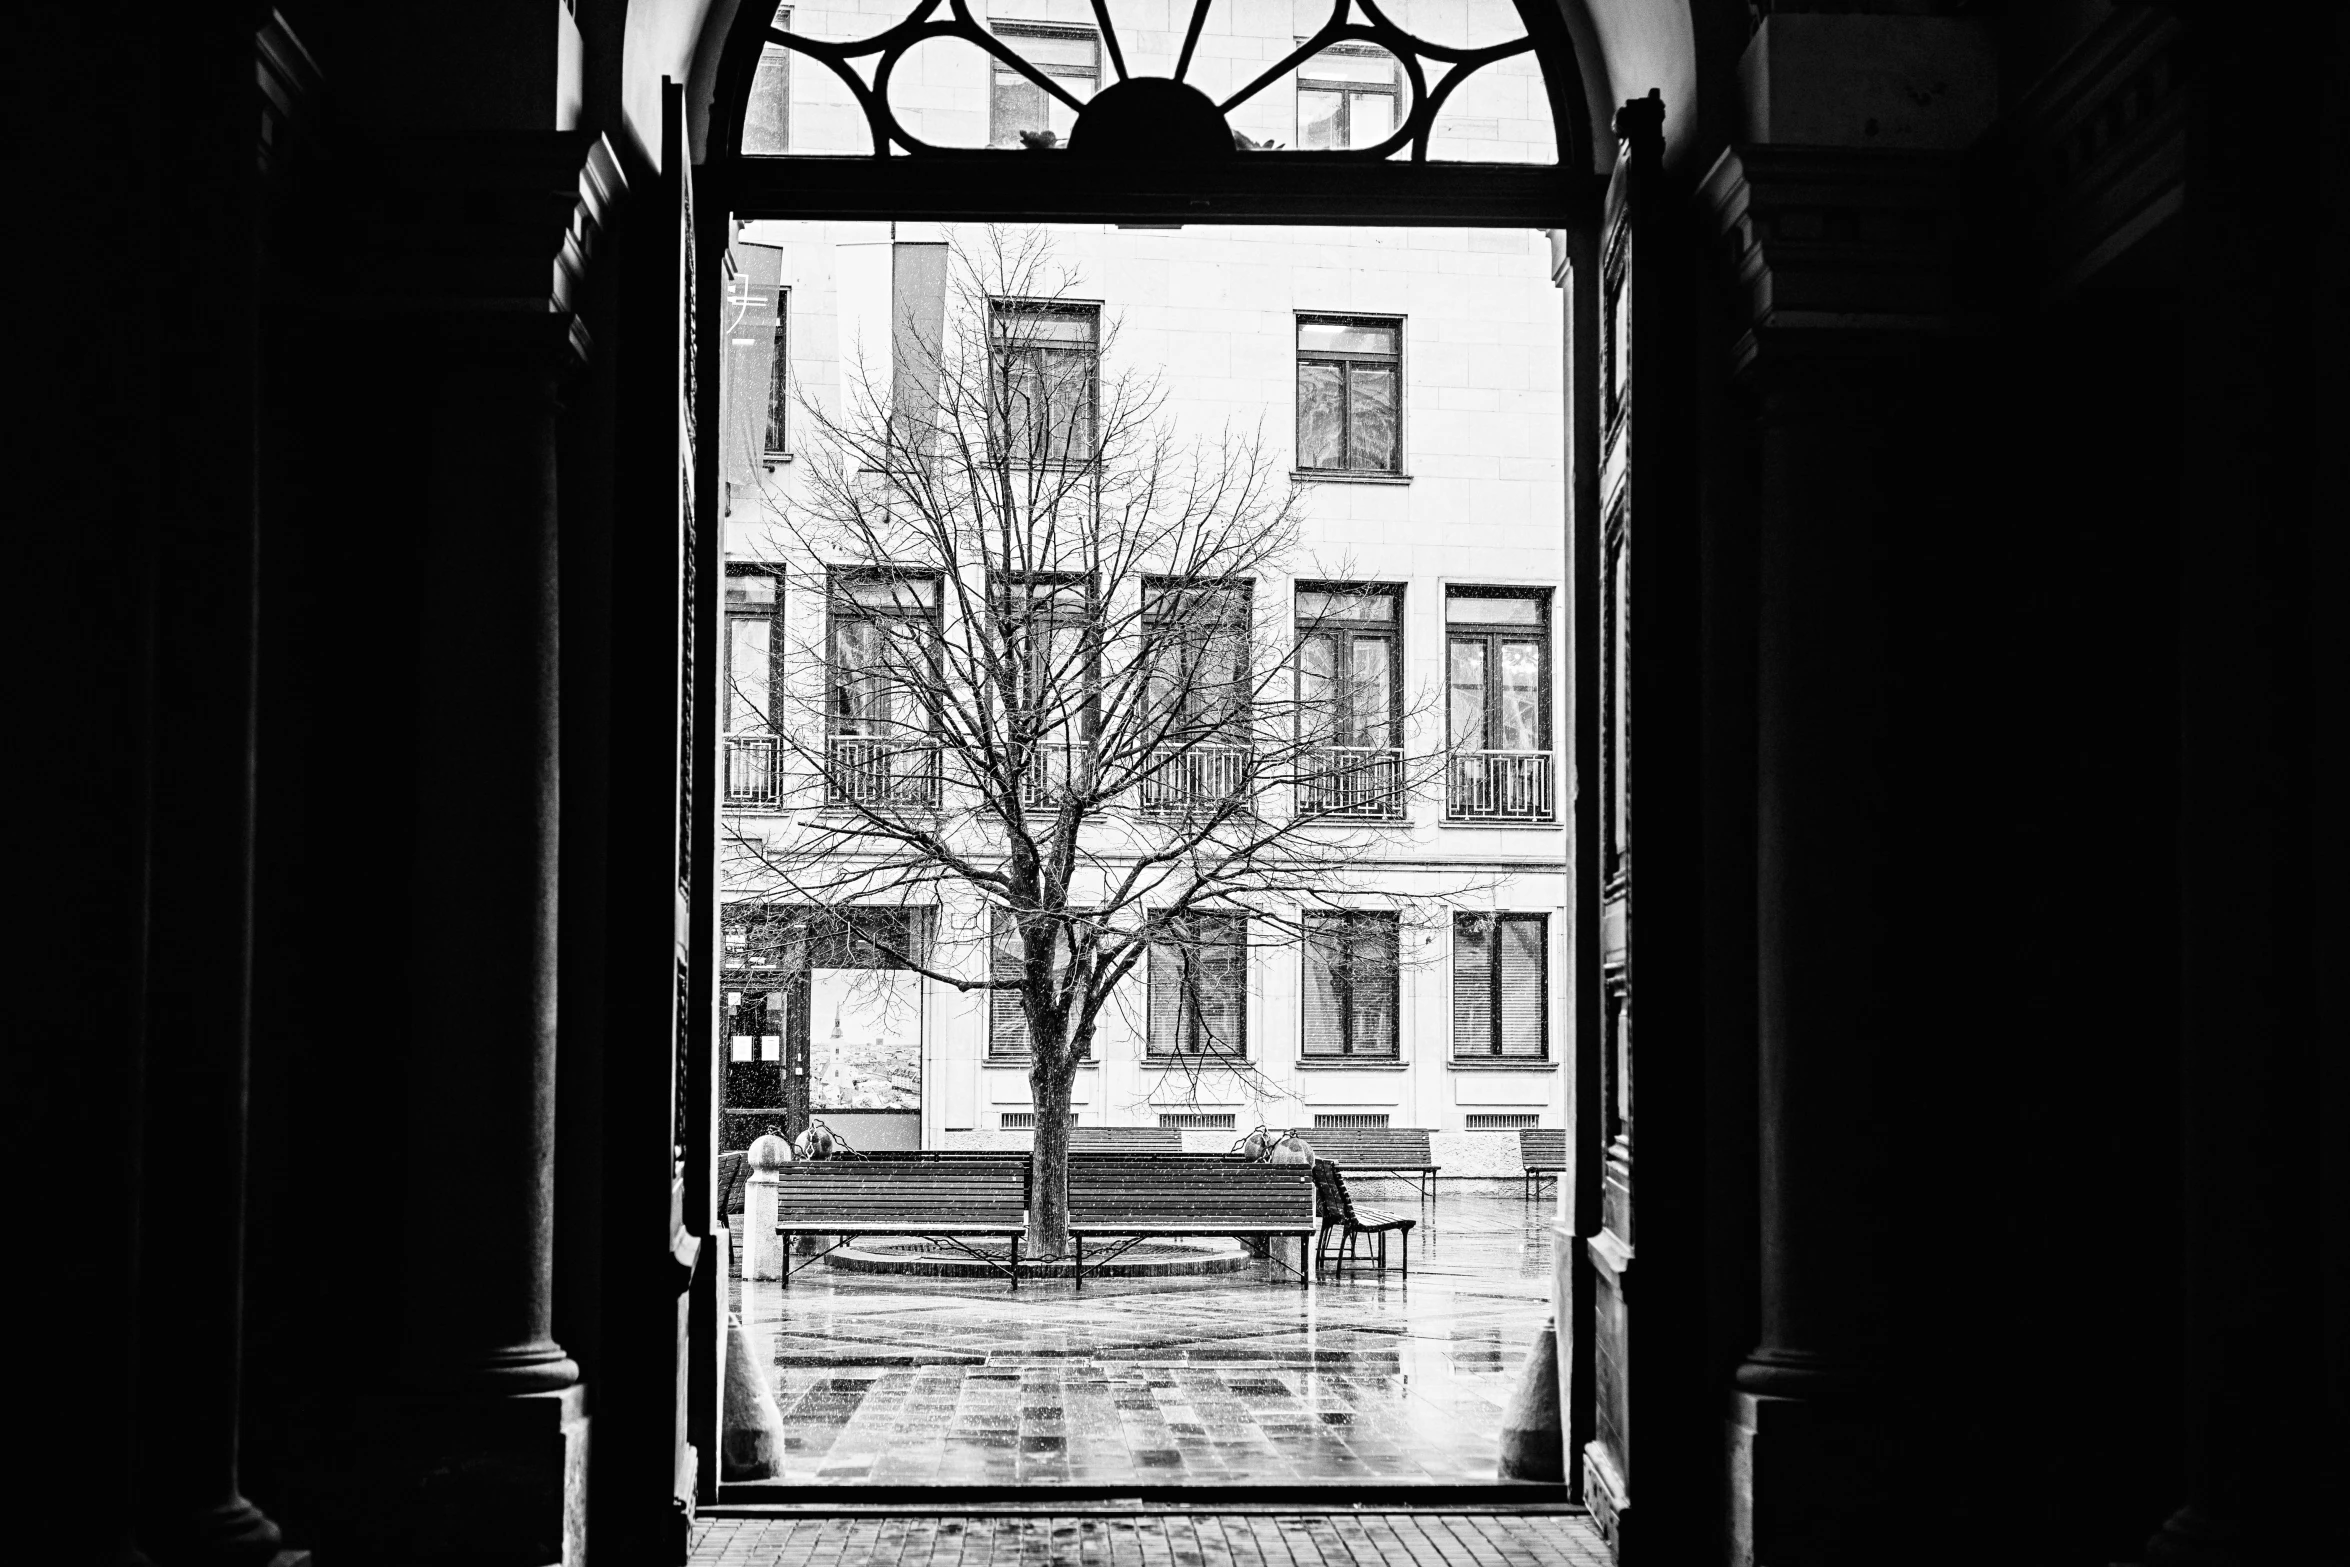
(730,1183)
(1543,1152)
(1342,1218)
(1377,1150)
(1128,1201)
(959,1203)
(1125,1139)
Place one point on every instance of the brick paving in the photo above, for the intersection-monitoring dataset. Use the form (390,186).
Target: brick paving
(1253,1539)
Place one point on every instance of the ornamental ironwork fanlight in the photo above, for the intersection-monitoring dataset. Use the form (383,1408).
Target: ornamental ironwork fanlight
(1140,116)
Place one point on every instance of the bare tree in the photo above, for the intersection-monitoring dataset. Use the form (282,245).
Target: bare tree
(1046,692)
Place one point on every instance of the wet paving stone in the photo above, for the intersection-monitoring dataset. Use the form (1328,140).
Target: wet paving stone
(1205,1539)
(1237,1378)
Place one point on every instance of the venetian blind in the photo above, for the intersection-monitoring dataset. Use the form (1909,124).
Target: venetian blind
(1325,1005)
(1472,985)
(1522,955)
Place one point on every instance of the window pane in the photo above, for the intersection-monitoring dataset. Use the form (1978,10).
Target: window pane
(1321,416)
(767,117)
(1466,686)
(1368,716)
(1345,337)
(1472,985)
(1058,56)
(750,589)
(1335,605)
(779,381)
(748,640)
(1521,985)
(1521,697)
(1370,118)
(1371,983)
(1324,1031)
(1317,693)
(1371,431)
(1019,106)
(905,593)
(1336,65)
(1222,987)
(1479,609)
(1321,119)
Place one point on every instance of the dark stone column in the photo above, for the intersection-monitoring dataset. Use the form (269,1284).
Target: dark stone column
(2257,195)
(482,1456)
(1843,262)
(197,1008)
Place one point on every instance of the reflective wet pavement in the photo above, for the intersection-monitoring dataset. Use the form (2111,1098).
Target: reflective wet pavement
(1232,1379)
(1156,1540)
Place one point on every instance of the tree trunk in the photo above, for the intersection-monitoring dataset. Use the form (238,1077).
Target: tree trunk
(1048,1180)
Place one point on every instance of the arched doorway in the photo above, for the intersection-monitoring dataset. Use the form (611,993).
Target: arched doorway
(882,153)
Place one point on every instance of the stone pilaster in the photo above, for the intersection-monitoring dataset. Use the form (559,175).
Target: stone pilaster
(1843,261)
(472,263)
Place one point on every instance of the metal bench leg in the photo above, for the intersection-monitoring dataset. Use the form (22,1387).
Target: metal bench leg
(1015,1262)
(1078,1241)
(786,1248)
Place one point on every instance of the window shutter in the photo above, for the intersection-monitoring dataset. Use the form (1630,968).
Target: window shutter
(1007,1031)
(1472,985)
(1522,954)
(1325,1022)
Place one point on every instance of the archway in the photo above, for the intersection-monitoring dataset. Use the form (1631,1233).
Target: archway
(1099,170)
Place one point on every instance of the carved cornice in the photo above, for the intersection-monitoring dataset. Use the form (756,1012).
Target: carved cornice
(1837,249)
(2098,147)
(488,235)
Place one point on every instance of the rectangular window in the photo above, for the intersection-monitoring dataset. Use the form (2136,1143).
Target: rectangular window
(1350,986)
(1022,110)
(1050,635)
(1007,1019)
(1349,394)
(1349,697)
(1500,966)
(767,116)
(778,440)
(1195,646)
(883,658)
(1497,703)
(1199,988)
(754,601)
(1047,363)
(1347,96)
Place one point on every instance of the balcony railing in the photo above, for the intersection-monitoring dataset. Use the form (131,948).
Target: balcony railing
(752,780)
(1351,780)
(1203,777)
(864,770)
(1051,771)
(1498,786)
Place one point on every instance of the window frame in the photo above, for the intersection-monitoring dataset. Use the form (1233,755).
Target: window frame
(1491,634)
(1391,631)
(775,440)
(1000,354)
(1186,1013)
(1348,90)
(836,605)
(772,614)
(997,136)
(1345,360)
(1491,1052)
(1392,922)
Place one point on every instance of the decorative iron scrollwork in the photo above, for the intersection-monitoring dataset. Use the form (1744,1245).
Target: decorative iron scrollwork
(1351,24)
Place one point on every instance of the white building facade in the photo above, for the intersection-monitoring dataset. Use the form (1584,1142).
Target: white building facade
(1411,380)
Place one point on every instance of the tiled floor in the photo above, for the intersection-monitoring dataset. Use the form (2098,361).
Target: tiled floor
(1156,1540)
(1233,1379)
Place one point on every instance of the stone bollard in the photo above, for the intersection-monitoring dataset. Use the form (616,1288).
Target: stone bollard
(763,1256)
(1531,1445)
(751,1444)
